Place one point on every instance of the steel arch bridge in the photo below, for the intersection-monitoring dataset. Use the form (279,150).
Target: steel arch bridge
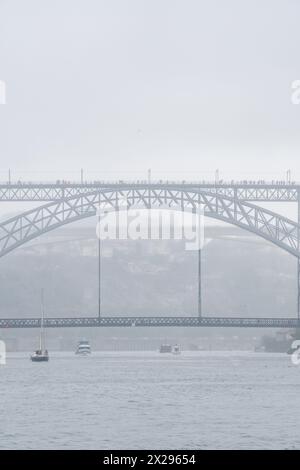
(24,227)
(224,203)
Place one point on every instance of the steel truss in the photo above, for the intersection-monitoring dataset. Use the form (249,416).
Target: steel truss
(228,203)
(230,322)
(44,192)
(27,226)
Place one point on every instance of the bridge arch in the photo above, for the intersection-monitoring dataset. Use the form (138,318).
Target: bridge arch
(22,228)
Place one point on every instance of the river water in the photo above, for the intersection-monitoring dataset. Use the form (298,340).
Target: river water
(147,400)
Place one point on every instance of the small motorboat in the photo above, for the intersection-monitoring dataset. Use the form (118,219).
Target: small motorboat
(83,348)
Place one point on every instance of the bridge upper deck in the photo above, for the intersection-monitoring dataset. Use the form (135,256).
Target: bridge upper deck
(244,191)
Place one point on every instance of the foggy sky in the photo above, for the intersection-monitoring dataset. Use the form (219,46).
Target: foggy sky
(170,85)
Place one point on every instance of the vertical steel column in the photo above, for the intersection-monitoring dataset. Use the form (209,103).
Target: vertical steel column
(298,259)
(99,268)
(199,283)
(298,287)
(199,259)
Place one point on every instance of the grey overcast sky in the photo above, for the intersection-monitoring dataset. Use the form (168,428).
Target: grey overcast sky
(172,85)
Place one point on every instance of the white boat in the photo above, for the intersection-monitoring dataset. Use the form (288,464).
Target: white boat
(176,350)
(41,354)
(83,348)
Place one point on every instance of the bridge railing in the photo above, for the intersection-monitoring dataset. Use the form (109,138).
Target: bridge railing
(105,182)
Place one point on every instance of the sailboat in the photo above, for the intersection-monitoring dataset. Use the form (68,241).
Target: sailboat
(41,354)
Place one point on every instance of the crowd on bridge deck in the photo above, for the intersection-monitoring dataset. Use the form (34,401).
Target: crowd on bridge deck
(160,181)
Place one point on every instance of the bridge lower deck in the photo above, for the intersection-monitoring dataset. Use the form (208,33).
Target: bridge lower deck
(264,322)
